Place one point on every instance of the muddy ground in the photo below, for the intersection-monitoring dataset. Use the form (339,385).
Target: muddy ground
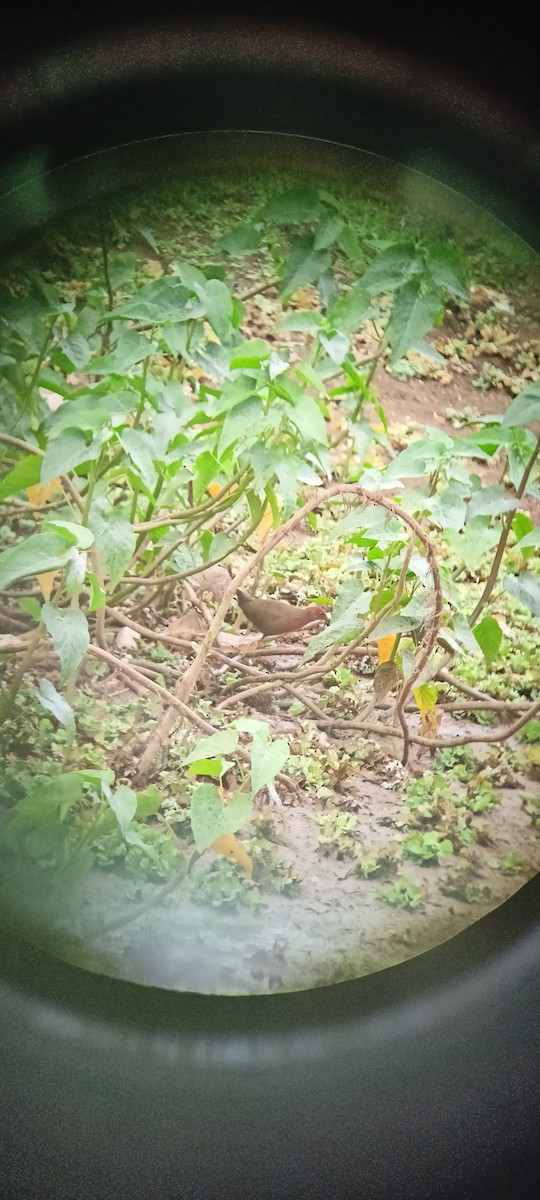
(330,924)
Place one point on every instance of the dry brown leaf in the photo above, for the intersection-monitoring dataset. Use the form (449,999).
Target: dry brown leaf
(214,580)
(190,623)
(52,399)
(237,639)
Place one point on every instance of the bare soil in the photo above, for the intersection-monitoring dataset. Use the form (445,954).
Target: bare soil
(332,924)
(333,927)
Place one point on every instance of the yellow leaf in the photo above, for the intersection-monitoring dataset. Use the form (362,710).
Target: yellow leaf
(385,646)
(215,489)
(426,697)
(230,848)
(46,584)
(430,716)
(210,334)
(39,493)
(265,524)
(376,459)
(304,297)
(153,268)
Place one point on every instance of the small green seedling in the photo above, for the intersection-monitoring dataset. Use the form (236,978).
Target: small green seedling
(402,894)
(427,847)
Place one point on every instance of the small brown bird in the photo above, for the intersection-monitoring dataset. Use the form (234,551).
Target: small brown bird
(278,616)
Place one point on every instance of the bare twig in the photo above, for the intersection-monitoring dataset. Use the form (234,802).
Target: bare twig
(189,679)
(172,701)
(500,734)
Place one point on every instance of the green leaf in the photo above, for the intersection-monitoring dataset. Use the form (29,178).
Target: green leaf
(54,703)
(63,792)
(391,269)
(75,572)
(245,239)
(413,313)
(420,458)
(350,311)
(490,501)
(131,348)
(530,539)
(301,321)
(123,803)
(31,606)
(149,237)
(76,348)
(149,802)
(298,205)
(336,346)
(374,524)
(214,767)
(94,775)
(216,297)
(68,629)
(224,742)
(303,266)
(351,596)
(159,303)
(97,595)
(253,726)
(214,360)
(73,532)
(189,275)
(122,268)
(115,541)
(25,474)
(351,604)
(91,414)
(267,760)
(521,525)
(67,451)
(465,635)
(447,509)
(211,819)
(328,233)
(286,471)
(521,446)
(245,421)
(525,588)
(308,418)
(277,364)
(447,270)
(139,447)
(488,634)
(249,354)
(476,540)
(39,553)
(348,242)
(525,409)
(393,624)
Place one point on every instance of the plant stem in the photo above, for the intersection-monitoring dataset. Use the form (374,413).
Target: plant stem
(505,533)
(259,289)
(110,294)
(11,694)
(30,387)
